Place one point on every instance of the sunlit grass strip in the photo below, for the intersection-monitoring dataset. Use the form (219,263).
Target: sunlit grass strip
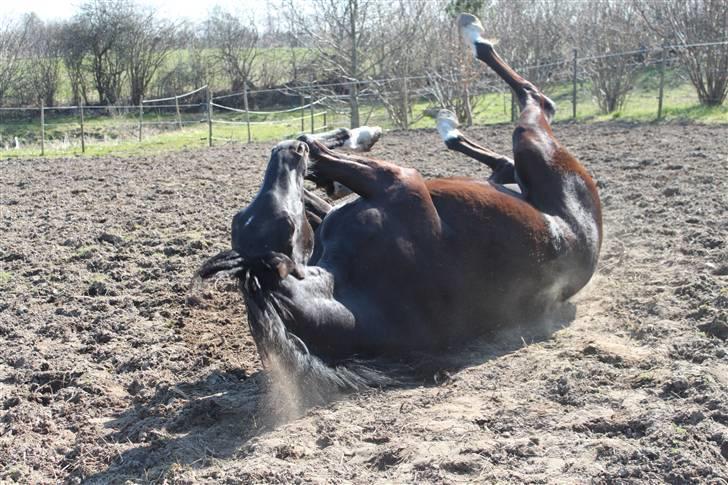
(117,134)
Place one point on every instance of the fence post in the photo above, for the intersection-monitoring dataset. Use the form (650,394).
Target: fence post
(662,84)
(303,114)
(42,128)
(513,106)
(141,116)
(83,134)
(326,125)
(209,118)
(573,87)
(179,117)
(312,109)
(245,104)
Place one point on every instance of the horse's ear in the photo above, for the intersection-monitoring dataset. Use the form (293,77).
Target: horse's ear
(284,266)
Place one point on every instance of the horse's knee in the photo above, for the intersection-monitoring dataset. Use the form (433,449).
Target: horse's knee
(533,141)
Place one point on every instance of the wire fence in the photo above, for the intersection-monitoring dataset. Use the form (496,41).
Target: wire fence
(198,117)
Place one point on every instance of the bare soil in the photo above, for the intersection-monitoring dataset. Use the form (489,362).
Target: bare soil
(109,372)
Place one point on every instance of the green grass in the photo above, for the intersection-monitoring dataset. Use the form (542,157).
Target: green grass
(5,278)
(118,134)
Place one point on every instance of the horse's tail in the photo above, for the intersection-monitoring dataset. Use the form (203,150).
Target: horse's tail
(281,350)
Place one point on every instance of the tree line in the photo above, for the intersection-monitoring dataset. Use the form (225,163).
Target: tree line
(118,51)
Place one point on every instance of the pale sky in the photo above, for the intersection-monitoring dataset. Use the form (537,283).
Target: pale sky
(174,9)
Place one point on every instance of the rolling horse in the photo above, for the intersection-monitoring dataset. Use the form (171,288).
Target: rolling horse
(410,264)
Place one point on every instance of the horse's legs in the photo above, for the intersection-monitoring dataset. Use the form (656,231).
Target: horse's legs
(316,208)
(472,31)
(375,180)
(502,166)
(363,176)
(540,161)
(360,139)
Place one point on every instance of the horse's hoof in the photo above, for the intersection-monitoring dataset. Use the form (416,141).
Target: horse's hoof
(447,124)
(470,28)
(362,139)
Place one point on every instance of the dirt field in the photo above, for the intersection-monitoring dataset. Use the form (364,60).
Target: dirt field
(108,372)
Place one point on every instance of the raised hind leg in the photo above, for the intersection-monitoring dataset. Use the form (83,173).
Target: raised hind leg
(472,32)
(540,161)
(502,166)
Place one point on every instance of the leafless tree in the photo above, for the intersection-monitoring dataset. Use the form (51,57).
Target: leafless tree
(606,29)
(44,72)
(689,22)
(104,27)
(340,32)
(14,38)
(189,68)
(402,48)
(73,52)
(235,40)
(150,40)
(533,34)
(453,72)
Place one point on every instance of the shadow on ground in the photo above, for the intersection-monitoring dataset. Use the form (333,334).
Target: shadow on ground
(195,423)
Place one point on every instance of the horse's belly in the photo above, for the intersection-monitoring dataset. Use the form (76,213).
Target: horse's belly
(378,265)
(489,266)
(365,236)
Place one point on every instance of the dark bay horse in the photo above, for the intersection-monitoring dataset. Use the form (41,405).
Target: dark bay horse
(410,264)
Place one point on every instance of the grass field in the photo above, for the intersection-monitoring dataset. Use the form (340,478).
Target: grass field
(119,132)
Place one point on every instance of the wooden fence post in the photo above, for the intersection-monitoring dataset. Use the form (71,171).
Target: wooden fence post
(326,125)
(573,87)
(662,84)
(83,134)
(303,115)
(209,118)
(513,106)
(42,128)
(141,117)
(245,104)
(312,109)
(179,117)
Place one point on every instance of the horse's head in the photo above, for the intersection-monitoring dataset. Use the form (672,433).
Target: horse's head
(275,221)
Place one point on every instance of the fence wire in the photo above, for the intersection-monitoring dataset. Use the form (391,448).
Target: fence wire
(286,111)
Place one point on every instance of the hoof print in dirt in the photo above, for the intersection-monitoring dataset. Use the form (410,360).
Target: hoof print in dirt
(289,452)
(716,328)
(97,288)
(109,238)
(386,459)
(463,466)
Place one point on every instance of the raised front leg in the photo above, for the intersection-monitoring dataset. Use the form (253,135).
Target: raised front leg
(316,208)
(391,186)
(360,139)
(364,176)
(502,166)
